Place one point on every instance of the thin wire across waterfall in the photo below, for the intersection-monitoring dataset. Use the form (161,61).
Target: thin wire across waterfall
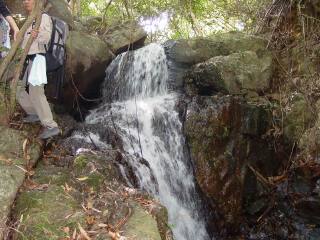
(144,115)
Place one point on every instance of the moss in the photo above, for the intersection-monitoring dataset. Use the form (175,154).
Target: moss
(95,180)
(162,223)
(80,162)
(141,225)
(298,119)
(51,174)
(45,213)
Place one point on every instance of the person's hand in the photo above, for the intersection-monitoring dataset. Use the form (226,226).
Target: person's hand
(15,33)
(34,33)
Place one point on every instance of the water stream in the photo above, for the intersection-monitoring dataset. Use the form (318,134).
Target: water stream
(143,111)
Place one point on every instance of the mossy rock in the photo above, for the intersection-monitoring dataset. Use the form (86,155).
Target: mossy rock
(12,163)
(141,225)
(96,168)
(298,119)
(46,213)
(235,73)
(48,174)
(80,162)
(193,51)
(11,147)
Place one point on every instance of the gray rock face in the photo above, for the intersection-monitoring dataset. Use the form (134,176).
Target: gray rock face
(198,50)
(233,74)
(120,36)
(183,54)
(87,59)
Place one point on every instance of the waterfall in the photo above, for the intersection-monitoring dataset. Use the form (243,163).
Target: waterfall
(143,111)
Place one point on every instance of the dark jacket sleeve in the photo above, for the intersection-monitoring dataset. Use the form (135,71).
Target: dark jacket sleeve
(4,9)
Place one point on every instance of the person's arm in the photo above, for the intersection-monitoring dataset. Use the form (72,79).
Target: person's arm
(7,15)
(43,35)
(13,26)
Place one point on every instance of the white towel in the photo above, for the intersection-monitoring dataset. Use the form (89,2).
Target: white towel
(38,72)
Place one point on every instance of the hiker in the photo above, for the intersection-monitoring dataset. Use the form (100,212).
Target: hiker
(6,22)
(32,98)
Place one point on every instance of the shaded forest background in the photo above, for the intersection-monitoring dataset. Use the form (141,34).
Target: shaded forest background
(175,18)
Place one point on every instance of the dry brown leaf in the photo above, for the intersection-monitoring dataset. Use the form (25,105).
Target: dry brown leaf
(102,225)
(67,188)
(83,232)
(90,220)
(24,147)
(5,160)
(68,216)
(89,204)
(66,230)
(74,235)
(82,179)
(114,236)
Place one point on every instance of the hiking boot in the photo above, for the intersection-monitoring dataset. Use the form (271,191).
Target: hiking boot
(31,119)
(49,132)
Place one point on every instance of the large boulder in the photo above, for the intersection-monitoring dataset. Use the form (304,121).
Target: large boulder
(235,73)
(88,56)
(225,136)
(59,8)
(184,53)
(198,50)
(87,59)
(120,36)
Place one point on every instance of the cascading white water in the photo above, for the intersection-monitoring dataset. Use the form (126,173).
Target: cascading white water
(145,116)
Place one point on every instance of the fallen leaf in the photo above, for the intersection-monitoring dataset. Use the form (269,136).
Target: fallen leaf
(24,148)
(5,160)
(82,179)
(74,235)
(89,204)
(102,225)
(66,230)
(68,216)
(67,188)
(90,220)
(83,232)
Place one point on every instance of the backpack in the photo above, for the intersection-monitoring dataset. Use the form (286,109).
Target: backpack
(55,60)
(56,51)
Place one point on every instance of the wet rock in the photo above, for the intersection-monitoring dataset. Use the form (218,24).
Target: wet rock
(225,135)
(13,161)
(309,209)
(302,182)
(235,73)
